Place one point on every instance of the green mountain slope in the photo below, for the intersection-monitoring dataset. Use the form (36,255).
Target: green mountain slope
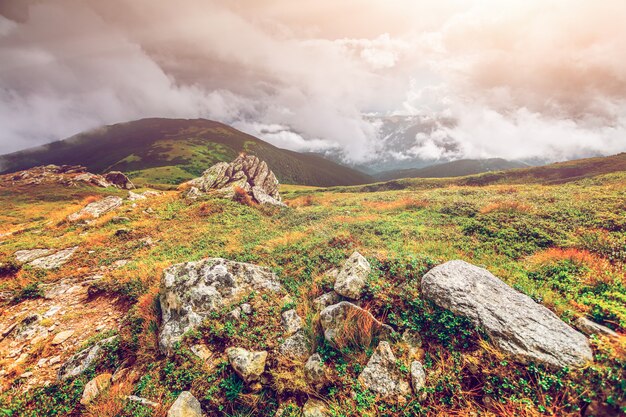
(170,151)
(557,173)
(458,168)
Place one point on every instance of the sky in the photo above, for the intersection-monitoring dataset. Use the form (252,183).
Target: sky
(514,79)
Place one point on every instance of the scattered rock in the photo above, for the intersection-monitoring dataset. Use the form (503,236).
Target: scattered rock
(51,311)
(94,387)
(30,327)
(55,260)
(246,172)
(25,256)
(97,208)
(314,371)
(352,278)
(248,365)
(132,196)
(202,352)
(186,405)
(589,327)
(246,308)
(291,321)
(82,360)
(418,376)
(382,374)
(191,291)
(314,408)
(519,326)
(325,300)
(119,180)
(119,220)
(348,323)
(142,401)
(62,337)
(297,345)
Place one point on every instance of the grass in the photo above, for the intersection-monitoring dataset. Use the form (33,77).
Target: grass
(562,244)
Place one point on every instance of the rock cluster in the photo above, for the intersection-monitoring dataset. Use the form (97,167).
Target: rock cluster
(247,173)
(67,175)
(518,325)
(191,291)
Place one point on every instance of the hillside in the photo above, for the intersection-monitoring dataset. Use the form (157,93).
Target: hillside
(561,172)
(170,151)
(459,168)
(107,299)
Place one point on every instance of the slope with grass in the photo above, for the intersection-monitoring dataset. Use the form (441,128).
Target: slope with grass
(561,244)
(170,151)
(459,168)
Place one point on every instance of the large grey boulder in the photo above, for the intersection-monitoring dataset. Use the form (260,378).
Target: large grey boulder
(352,278)
(186,405)
(383,375)
(97,208)
(345,323)
(517,325)
(191,291)
(246,172)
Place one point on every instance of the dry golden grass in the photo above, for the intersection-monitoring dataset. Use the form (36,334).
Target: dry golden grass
(406,203)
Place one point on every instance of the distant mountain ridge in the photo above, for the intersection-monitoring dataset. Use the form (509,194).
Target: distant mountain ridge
(459,168)
(172,151)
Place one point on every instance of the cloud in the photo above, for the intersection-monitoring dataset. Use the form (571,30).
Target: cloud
(523,79)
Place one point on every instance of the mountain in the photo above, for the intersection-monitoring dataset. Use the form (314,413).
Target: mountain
(557,173)
(459,168)
(170,151)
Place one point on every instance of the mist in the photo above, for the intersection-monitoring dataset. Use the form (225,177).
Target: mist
(518,79)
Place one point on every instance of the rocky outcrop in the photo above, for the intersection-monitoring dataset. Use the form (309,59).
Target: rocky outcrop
(248,365)
(352,278)
(186,405)
(516,324)
(82,360)
(191,291)
(346,323)
(383,375)
(56,260)
(66,175)
(119,180)
(246,172)
(97,208)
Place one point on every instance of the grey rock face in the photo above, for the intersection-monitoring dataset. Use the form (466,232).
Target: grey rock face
(97,208)
(119,180)
(191,291)
(248,365)
(519,326)
(82,360)
(382,374)
(56,260)
(589,327)
(291,321)
(186,405)
(346,322)
(352,278)
(32,254)
(246,172)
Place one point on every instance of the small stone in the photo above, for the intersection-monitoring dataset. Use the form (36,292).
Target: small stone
(314,371)
(297,345)
(418,376)
(51,312)
(62,337)
(246,308)
(382,374)
(54,360)
(26,375)
(291,321)
(314,408)
(325,300)
(186,405)
(202,352)
(235,314)
(42,362)
(248,365)
(94,387)
(142,401)
(352,278)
